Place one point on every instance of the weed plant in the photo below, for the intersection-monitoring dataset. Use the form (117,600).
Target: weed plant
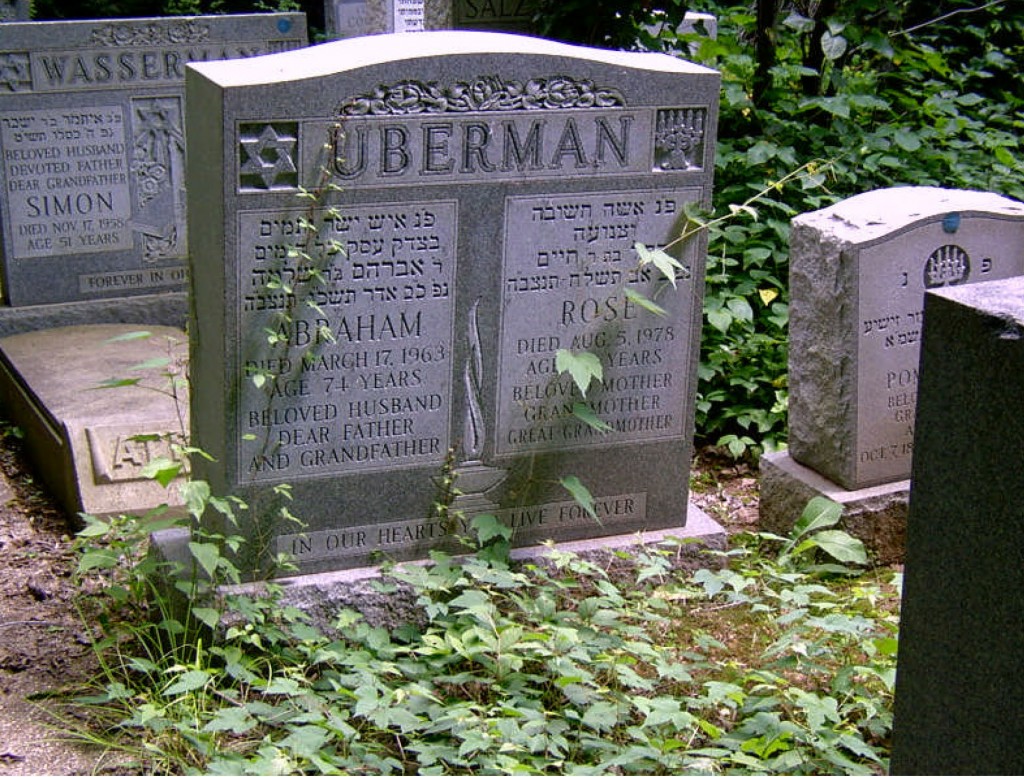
(779,657)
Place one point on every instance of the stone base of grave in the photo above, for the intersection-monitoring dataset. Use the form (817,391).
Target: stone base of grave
(88,445)
(877,516)
(324,594)
(164,309)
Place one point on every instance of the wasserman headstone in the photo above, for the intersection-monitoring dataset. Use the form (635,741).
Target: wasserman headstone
(92,148)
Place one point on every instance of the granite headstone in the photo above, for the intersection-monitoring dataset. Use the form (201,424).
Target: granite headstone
(858,273)
(961,632)
(14,10)
(353,18)
(495,15)
(92,147)
(412,230)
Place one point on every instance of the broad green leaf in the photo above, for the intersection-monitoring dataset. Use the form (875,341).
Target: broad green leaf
(583,367)
(757,254)
(832,46)
(886,646)
(971,98)
(306,741)
(601,716)
(237,720)
(820,513)
(841,546)
(767,295)
(587,415)
(151,364)
(646,303)
(196,494)
(666,265)
(798,22)
(161,469)
(741,309)
(711,581)
(207,615)
(192,680)
(720,319)
(819,709)
(470,599)
(94,527)
(488,527)
(581,494)
(907,140)
(283,686)
(98,559)
(1004,156)
(207,554)
(837,106)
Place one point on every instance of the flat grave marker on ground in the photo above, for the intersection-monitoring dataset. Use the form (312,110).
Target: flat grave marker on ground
(88,444)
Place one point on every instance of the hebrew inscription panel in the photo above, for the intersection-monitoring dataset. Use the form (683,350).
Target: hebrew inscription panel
(357,375)
(570,277)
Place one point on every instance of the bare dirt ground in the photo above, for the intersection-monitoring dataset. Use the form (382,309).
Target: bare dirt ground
(44,644)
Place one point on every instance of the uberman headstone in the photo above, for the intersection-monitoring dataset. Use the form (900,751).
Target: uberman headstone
(858,274)
(412,230)
(92,148)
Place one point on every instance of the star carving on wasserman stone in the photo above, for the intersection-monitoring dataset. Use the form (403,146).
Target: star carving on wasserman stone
(14,72)
(268,155)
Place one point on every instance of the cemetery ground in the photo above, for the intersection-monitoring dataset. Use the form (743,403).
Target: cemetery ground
(798,697)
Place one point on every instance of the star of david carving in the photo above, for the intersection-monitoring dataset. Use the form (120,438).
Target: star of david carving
(268,156)
(14,73)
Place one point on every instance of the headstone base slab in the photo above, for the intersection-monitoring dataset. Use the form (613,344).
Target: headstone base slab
(877,515)
(164,309)
(83,440)
(324,594)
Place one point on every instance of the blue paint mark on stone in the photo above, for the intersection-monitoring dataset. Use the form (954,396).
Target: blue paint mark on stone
(284,25)
(951,223)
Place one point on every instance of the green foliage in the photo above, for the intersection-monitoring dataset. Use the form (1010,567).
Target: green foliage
(900,95)
(584,367)
(773,664)
(606,23)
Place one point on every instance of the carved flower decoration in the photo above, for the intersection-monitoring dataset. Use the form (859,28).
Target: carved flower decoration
(405,98)
(565,93)
(487,93)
